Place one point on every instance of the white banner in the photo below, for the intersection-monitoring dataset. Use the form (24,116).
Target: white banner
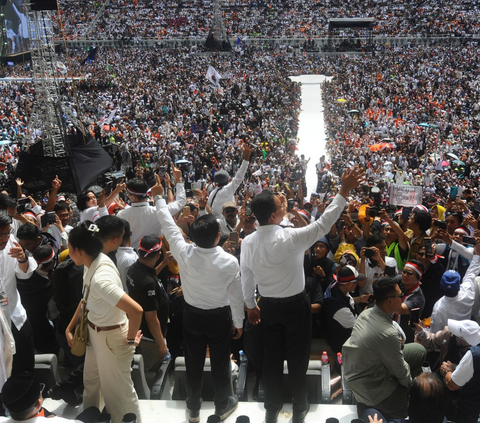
(405,195)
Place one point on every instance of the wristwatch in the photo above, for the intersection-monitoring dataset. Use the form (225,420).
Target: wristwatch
(131,341)
(158,197)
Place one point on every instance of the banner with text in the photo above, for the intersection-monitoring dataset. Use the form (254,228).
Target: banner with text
(405,195)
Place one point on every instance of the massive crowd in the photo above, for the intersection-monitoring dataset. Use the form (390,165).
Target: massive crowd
(148,19)
(406,116)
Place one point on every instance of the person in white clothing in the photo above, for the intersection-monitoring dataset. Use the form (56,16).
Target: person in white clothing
(213,305)
(112,336)
(143,217)
(125,255)
(225,190)
(272,260)
(459,297)
(14,263)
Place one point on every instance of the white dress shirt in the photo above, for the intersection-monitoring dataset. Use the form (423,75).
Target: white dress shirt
(125,257)
(93,213)
(460,306)
(210,276)
(9,270)
(220,195)
(143,217)
(464,371)
(272,257)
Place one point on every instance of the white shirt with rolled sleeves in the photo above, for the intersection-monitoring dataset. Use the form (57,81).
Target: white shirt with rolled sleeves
(272,257)
(9,271)
(210,276)
(143,217)
(464,371)
(220,195)
(460,306)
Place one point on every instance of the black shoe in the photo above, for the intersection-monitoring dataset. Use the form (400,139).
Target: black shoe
(59,392)
(229,409)
(271,416)
(299,416)
(193,416)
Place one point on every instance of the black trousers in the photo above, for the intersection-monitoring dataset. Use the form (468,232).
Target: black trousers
(24,357)
(212,328)
(287,326)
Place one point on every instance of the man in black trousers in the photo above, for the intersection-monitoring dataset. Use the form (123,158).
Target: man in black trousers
(272,259)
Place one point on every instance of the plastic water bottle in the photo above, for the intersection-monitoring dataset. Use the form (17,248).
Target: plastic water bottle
(324,357)
(339,358)
(167,357)
(243,357)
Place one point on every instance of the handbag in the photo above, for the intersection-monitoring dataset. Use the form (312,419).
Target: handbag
(80,337)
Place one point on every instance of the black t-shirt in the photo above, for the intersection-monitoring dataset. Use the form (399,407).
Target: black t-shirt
(145,288)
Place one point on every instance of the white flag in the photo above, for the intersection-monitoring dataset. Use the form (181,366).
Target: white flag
(213,76)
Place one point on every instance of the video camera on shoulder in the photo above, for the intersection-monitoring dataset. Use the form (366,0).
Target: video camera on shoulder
(376,194)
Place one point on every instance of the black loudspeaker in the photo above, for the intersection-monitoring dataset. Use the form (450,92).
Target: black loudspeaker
(3,2)
(44,5)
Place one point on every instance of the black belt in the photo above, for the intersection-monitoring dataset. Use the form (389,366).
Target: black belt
(203,311)
(284,300)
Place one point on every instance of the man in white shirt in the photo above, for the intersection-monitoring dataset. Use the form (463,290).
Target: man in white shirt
(213,305)
(272,259)
(225,190)
(459,295)
(229,221)
(143,217)
(14,263)
(465,376)
(125,255)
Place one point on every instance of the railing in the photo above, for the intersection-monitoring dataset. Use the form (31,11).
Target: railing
(320,43)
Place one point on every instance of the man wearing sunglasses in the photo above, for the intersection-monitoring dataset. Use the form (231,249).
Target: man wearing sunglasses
(376,368)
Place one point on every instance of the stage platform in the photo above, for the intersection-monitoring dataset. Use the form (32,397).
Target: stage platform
(174,412)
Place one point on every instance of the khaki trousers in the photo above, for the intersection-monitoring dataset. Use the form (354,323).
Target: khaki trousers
(107,374)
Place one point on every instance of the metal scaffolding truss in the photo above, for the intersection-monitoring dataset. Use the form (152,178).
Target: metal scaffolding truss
(46,121)
(217,37)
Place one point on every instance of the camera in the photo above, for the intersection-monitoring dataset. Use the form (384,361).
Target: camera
(377,202)
(369,253)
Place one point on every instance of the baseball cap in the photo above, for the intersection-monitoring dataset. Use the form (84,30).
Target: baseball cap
(229,205)
(465,329)
(348,274)
(221,177)
(450,283)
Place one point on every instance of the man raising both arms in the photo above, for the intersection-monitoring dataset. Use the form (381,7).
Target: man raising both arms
(272,258)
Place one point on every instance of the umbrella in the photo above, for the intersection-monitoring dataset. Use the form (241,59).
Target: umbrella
(354,111)
(458,163)
(341,100)
(445,163)
(376,147)
(386,145)
(386,139)
(453,156)
(388,163)
(426,125)
(3,142)
(433,125)
(182,161)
